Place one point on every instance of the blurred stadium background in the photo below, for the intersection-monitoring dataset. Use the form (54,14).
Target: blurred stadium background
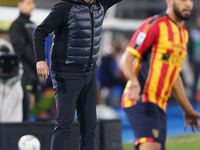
(120,23)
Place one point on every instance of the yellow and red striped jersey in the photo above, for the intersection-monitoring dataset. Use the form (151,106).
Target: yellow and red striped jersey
(160,47)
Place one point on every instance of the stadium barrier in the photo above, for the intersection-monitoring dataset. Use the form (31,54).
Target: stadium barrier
(108,134)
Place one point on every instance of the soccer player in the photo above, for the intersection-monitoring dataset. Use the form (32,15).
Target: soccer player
(157,49)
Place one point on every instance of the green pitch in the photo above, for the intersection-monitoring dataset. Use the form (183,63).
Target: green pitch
(184,142)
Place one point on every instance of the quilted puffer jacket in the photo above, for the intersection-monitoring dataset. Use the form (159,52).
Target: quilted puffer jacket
(77,26)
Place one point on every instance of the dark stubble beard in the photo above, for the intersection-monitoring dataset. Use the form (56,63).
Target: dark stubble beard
(179,15)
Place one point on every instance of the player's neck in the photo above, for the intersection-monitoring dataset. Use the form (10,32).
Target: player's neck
(172,16)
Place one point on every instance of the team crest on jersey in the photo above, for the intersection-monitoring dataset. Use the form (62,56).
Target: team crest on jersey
(140,38)
(155,133)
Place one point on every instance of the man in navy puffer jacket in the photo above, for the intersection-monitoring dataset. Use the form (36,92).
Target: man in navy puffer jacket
(77,25)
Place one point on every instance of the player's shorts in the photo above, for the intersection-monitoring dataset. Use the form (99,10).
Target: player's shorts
(148,122)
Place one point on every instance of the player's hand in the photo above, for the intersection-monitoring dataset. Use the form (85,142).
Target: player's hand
(133,90)
(42,69)
(192,120)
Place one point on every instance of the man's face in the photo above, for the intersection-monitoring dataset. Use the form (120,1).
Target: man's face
(27,6)
(182,8)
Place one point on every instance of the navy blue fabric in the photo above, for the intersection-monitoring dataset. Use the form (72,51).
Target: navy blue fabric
(74,90)
(144,70)
(144,117)
(77,26)
(84,33)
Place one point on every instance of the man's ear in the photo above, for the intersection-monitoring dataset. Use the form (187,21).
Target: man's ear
(168,2)
(19,4)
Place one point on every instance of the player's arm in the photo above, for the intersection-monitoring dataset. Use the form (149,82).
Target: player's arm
(142,39)
(56,18)
(126,65)
(190,115)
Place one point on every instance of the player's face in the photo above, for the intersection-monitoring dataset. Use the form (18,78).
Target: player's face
(27,6)
(182,8)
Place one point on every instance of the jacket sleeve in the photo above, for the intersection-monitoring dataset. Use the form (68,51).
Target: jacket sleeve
(20,44)
(56,18)
(108,3)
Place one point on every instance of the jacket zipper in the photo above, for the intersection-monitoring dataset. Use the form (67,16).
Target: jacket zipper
(92,39)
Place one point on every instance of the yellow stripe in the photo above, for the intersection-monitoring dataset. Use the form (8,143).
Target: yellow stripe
(137,65)
(185,37)
(128,102)
(133,51)
(143,140)
(157,65)
(163,38)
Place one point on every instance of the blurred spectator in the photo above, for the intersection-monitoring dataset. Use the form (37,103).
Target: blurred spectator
(151,12)
(110,77)
(11,92)
(194,55)
(21,38)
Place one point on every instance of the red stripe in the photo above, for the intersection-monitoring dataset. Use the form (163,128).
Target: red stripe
(169,50)
(132,102)
(123,101)
(162,79)
(170,32)
(146,96)
(137,142)
(148,139)
(170,80)
(163,102)
(181,37)
(180,53)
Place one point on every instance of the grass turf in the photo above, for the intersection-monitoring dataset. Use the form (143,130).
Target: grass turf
(184,142)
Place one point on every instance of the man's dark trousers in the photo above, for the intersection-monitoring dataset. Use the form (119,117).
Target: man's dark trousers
(74,90)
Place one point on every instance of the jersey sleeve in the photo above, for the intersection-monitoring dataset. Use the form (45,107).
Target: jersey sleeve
(143,38)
